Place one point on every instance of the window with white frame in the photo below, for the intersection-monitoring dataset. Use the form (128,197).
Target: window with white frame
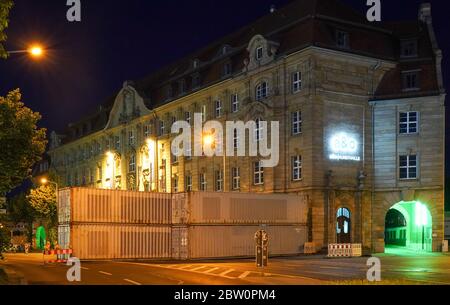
(234,103)
(187,116)
(259,53)
(203,112)
(236,178)
(162,127)
(258,173)
(408,166)
(235,139)
(187,151)
(409,48)
(147,130)
(132,164)
(188,181)
(117,142)
(131,137)
(411,80)
(296,168)
(259,130)
(202,182)
(218,104)
(262,91)
(409,122)
(296,122)
(296,82)
(219,181)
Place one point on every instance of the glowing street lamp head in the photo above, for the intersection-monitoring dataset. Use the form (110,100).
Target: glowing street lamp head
(208,140)
(36,51)
(44,180)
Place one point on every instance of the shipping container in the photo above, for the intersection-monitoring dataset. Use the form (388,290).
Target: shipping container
(246,208)
(99,242)
(85,205)
(239,241)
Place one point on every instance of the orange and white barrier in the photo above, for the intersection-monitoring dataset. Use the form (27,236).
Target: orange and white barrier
(61,256)
(344,250)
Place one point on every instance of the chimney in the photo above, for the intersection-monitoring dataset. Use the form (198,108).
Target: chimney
(272,9)
(425,13)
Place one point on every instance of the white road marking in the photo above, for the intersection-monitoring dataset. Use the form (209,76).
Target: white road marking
(198,268)
(84,268)
(105,273)
(244,275)
(226,272)
(211,270)
(184,267)
(132,282)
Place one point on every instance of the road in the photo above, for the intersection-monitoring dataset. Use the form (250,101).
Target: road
(396,269)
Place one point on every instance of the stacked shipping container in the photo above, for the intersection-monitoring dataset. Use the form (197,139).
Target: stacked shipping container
(108,224)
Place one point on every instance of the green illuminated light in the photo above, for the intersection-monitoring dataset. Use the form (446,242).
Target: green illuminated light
(420,212)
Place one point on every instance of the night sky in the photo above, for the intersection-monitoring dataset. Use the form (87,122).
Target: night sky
(117,40)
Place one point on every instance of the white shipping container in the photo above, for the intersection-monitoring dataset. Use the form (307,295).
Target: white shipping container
(101,242)
(246,208)
(238,241)
(85,205)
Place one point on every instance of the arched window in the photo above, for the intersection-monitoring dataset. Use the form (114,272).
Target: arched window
(343,226)
(262,90)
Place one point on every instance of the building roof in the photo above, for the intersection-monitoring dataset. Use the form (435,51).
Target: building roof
(299,24)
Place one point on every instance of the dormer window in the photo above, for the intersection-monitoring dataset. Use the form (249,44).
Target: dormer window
(182,86)
(410,80)
(195,63)
(227,69)
(259,53)
(225,50)
(409,48)
(195,81)
(169,92)
(342,39)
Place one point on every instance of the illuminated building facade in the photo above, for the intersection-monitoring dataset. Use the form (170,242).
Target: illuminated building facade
(361,112)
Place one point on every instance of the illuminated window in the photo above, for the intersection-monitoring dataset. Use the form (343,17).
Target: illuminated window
(147,130)
(296,168)
(296,119)
(258,173)
(259,53)
(202,182)
(409,122)
(262,91)
(236,178)
(408,166)
(234,103)
(218,108)
(296,82)
(132,164)
(188,183)
(219,181)
(131,137)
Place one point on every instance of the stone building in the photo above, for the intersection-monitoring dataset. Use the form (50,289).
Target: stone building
(361,113)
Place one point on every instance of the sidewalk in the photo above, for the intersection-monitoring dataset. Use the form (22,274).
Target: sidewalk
(10,277)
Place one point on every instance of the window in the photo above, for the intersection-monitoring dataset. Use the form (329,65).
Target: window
(409,48)
(234,103)
(187,116)
(161,128)
(236,178)
(175,184)
(227,69)
(218,108)
(408,167)
(169,92)
(258,173)
(131,137)
(108,144)
(175,155)
(259,130)
(195,81)
(99,173)
(409,122)
(132,164)
(296,168)
(203,111)
(342,39)
(117,142)
(147,130)
(187,151)
(235,139)
(188,183)
(202,182)
(262,91)
(296,119)
(182,86)
(219,181)
(296,82)
(259,53)
(411,80)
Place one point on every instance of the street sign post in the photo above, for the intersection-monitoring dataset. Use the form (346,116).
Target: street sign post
(262,248)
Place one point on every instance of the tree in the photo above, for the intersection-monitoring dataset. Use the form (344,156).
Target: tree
(20,210)
(5,7)
(43,201)
(22,142)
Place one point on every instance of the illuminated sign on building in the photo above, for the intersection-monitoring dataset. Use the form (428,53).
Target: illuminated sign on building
(344,147)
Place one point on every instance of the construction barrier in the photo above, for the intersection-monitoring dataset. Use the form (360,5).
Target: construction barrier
(61,256)
(344,250)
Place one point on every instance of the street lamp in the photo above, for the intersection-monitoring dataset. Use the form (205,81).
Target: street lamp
(35,51)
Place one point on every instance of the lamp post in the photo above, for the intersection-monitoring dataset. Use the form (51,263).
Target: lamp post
(35,51)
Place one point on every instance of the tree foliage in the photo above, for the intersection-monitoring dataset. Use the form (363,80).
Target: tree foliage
(20,210)
(43,201)
(5,7)
(22,142)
